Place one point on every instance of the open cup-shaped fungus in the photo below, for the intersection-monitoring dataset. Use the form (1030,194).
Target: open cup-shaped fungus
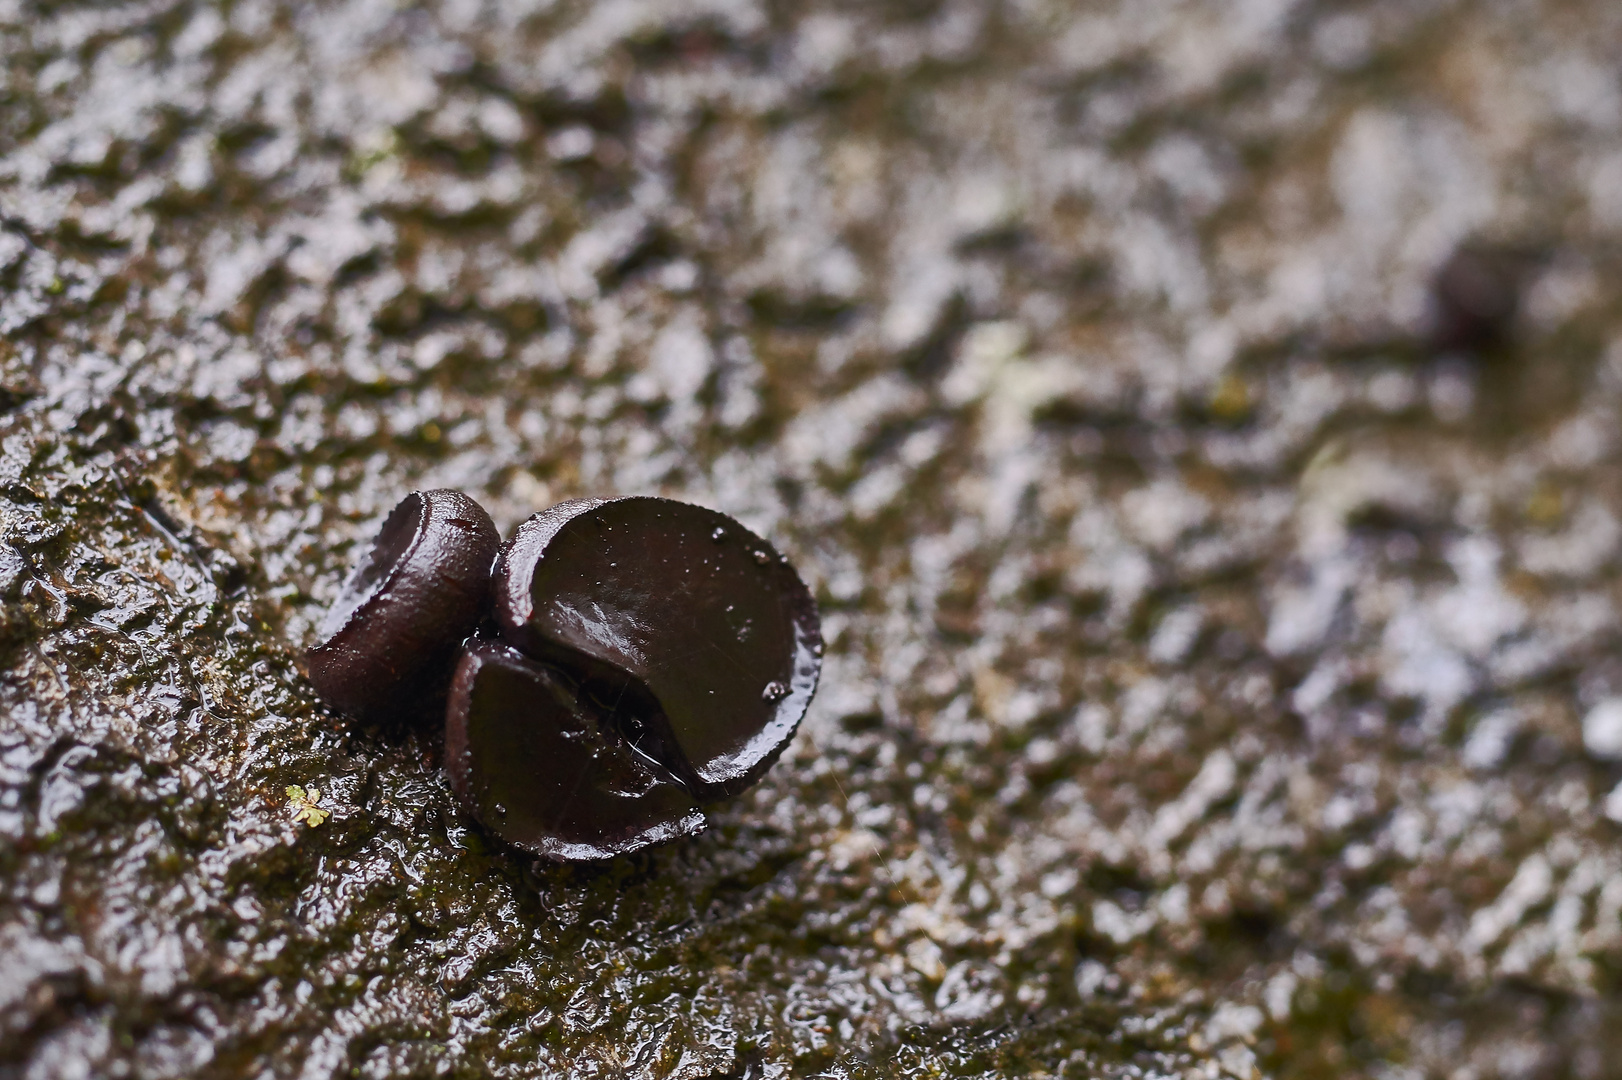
(540,767)
(679,609)
(391,637)
(653,656)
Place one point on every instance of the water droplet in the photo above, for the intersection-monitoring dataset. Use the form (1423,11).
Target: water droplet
(775,691)
(762,558)
(501,811)
(719,534)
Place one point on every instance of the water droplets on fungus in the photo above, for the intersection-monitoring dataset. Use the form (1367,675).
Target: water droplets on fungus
(621,689)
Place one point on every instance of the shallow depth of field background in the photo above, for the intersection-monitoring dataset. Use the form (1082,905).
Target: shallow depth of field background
(1223,673)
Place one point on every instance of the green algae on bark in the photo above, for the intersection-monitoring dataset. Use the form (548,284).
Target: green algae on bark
(1208,660)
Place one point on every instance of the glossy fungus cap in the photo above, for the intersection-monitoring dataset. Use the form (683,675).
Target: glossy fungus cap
(679,607)
(545,771)
(393,632)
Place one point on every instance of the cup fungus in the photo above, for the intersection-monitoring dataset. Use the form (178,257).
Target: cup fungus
(392,634)
(681,602)
(1475,296)
(545,770)
(652,656)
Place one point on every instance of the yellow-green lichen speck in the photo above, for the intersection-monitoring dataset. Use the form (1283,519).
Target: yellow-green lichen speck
(303,804)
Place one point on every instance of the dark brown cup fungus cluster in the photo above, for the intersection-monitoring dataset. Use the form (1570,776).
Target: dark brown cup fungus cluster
(612,668)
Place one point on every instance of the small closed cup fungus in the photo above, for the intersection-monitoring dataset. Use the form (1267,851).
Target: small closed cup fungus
(392,635)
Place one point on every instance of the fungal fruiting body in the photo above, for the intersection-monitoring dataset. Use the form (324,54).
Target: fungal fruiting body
(644,657)
(1475,296)
(694,608)
(392,635)
(542,769)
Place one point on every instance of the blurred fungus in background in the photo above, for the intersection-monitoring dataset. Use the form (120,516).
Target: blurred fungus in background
(1196,423)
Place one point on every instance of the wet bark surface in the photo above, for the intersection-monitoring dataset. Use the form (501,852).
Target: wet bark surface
(1222,666)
